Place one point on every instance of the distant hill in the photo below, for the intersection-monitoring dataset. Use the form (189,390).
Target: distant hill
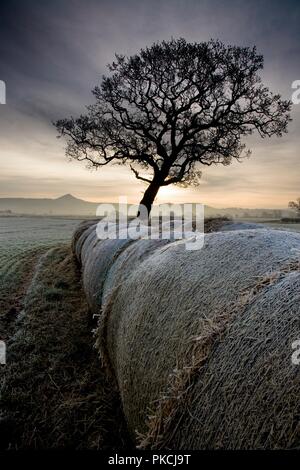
(70,205)
(65,205)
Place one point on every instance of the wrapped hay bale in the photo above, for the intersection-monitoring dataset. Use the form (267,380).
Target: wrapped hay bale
(88,244)
(127,262)
(200,341)
(80,235)
(165,321)
(98,258)
(81,230)
(246,395)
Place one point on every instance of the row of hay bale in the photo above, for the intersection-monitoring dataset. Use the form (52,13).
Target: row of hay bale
(199,343)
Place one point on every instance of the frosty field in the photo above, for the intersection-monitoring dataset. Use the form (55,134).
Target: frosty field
(22,241)
(45,324)
(21,233)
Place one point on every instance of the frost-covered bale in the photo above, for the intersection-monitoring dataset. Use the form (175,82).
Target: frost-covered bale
(89,244)
(98,256)
(96,265)
(126,263)
(102,261)
(200,341)
(80,230)
(246,395)
(168,317)
(80,236)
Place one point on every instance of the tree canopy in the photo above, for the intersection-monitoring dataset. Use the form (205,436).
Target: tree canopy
(173,108)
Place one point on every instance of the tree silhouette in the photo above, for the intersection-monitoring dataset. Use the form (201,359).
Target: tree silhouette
(174,107)
(295,205)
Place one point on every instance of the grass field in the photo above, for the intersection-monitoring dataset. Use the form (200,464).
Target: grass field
(53,392)
(22,241)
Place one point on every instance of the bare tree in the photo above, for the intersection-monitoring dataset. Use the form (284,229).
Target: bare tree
(295,205)
(174,107)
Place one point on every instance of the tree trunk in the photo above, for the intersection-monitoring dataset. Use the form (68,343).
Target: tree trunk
(149,196)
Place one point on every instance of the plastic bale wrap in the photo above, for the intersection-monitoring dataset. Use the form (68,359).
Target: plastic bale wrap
(246,395)
(126,263)
(165,321)
(79,237)
(96,268)
(132,256)
(100,257)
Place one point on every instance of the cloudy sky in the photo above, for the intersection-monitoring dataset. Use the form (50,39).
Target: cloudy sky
(53,53)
